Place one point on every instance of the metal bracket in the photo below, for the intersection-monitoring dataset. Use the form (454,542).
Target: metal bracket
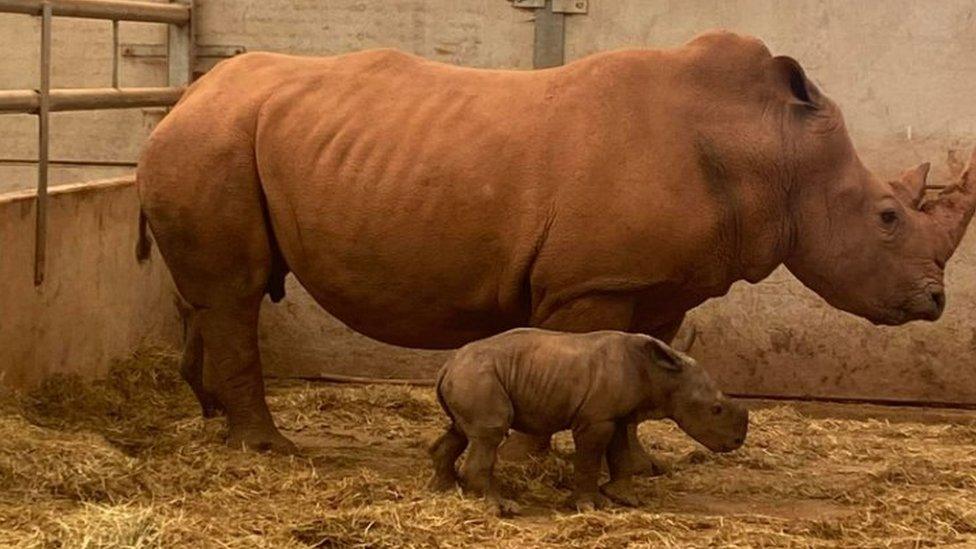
(528,4)
(570,6)
(558,6)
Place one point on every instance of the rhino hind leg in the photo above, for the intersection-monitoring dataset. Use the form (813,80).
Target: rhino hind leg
(479,469)
(200,191)
(444,453)
(232,372)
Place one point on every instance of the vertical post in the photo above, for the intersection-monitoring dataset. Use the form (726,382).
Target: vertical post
(550,35)
(43,146)
(116,76)
(180,50)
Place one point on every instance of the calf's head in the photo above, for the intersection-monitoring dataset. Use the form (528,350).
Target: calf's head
(873,248)
(696,404)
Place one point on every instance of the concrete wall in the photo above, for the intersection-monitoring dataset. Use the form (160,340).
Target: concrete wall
(96,304)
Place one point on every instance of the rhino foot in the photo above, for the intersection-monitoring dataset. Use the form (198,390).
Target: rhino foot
(586,502)
(620,492)
(260,440)
(441,483)
(210,407)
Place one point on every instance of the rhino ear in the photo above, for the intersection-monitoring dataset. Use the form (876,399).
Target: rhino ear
(789,77)
(662,356)
(910,187)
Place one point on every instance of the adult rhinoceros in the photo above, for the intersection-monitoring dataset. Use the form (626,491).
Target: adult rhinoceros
(428,205)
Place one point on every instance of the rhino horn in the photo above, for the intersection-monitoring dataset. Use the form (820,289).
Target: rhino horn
(910,187)
(953,207)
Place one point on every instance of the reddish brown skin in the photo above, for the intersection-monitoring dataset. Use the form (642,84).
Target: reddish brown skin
(596,384)
(429,205)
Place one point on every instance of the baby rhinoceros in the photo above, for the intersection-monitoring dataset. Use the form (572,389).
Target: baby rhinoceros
(540,382)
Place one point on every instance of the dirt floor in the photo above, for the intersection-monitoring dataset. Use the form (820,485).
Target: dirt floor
(127,462)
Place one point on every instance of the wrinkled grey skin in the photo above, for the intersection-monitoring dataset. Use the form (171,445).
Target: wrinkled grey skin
(539,382)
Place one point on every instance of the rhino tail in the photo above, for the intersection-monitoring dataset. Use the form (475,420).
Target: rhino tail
(144,243)
(440,397)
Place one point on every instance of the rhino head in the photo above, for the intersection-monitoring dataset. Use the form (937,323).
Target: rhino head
(873,248)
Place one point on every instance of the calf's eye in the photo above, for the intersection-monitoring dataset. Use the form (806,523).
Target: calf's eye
(888,217)
(716,409)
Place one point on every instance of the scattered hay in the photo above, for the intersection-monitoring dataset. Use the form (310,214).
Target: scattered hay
(127,462)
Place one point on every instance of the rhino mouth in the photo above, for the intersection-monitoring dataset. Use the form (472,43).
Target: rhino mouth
(928,304)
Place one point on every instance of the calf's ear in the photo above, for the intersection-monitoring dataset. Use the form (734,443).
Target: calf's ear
(662,355)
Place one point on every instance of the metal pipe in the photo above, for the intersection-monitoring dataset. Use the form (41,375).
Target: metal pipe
(119,10)
(57,162)
(43,147)
(83,99)
(115,54)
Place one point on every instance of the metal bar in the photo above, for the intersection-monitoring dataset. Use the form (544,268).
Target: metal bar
(83,99)
(550,35)
(119,10)
(50,162)
(115,54)
(43,147)
(19,101)
(180,50)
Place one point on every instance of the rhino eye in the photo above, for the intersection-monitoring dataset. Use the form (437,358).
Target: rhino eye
(716,409)
(889,217)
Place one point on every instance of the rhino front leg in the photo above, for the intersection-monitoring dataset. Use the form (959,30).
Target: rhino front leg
(586,314)
(591,444)
(620,461)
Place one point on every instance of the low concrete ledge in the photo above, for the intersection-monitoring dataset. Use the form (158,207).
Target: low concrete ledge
(97,304)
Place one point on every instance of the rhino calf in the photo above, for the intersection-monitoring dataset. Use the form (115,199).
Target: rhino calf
(539,382)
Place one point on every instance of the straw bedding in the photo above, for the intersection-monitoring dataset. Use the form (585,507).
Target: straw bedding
(127,462)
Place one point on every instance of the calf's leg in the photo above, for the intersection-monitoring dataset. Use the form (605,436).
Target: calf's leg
(444,453)
(620,461)
(591,444)
(479,469)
